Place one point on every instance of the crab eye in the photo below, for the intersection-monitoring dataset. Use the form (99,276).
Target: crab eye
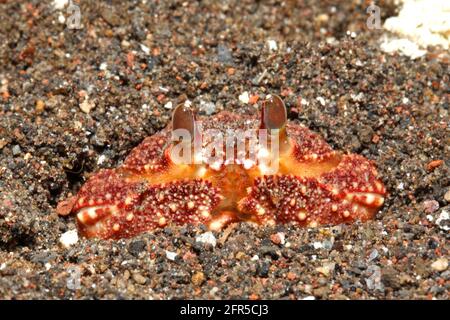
(274,119)
(183,118)
(273,114)
(185,135)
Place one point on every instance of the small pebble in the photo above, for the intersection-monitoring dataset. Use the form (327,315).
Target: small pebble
(373,281)
(447,196)
(145,49)
(69,238)
(256,80)
(198,278)
(61,18)
(240,255)
(139,278)
(168,105)
(326,268)
(207,238)
(171,255)
(272,44)
(3,143)
(434,164)
(101,159)
(373,255)
(86,106)
(136,247)
(430,206)
(317,245)
(16,150)
(443,220)
(40,106)
(291,276)
(60,4)
(207,107)
(263,269)
(224,54)
(213,291)
(278,238)
(244,97)
(321,100)
(440,264)
(110,16)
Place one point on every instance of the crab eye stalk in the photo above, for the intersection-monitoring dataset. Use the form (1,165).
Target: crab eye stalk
(183,118)
(274,119)
(185,136)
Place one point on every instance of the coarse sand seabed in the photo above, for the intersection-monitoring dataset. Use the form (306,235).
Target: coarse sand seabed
(75,101)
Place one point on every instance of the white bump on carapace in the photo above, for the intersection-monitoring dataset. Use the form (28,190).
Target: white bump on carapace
(173,207)
(313,224)
(190,205)
(366,198)
(260,210)
(162,221)
(302,215)
(128,201)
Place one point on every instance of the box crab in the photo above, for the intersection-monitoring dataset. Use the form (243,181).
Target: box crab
(314,185)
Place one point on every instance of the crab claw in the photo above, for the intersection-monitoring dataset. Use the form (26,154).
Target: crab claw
(355,181)
(102,199)
(113,204)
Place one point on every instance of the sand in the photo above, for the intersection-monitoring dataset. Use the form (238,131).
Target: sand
(74,101)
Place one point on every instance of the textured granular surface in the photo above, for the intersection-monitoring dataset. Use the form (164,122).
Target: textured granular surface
(77,100)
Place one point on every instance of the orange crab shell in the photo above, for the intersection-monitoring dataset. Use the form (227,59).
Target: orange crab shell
(314,186)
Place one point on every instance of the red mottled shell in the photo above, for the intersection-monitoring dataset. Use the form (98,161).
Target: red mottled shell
(314,186)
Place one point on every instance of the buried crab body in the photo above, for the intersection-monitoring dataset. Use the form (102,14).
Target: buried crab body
(313,185)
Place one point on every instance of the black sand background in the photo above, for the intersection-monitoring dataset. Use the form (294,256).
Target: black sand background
(388,108)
